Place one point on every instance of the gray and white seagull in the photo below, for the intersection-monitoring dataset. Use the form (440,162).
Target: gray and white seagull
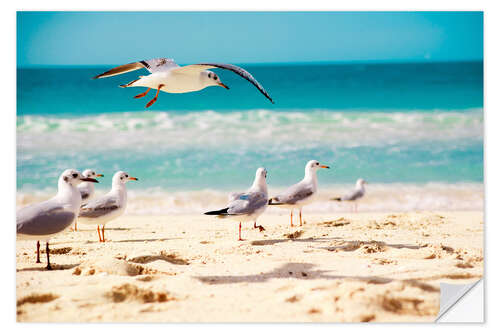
(108,207)
(169,77)
(249,205)
(302,193)
(46,219)
(358,192)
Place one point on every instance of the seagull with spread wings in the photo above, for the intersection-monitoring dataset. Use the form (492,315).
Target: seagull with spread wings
(169,77)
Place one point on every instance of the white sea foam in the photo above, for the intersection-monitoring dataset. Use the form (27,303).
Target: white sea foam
(209,128)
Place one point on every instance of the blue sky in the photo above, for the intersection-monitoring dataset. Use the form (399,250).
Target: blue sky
(104,38)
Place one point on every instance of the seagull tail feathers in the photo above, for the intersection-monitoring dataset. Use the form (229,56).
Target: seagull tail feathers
(336,199)
(221,212)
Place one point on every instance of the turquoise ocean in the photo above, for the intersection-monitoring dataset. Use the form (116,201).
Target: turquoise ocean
(414,131)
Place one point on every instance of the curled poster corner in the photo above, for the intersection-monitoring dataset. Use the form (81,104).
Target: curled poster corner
(451,301)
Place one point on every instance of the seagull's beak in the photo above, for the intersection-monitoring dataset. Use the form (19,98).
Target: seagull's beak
(89,180)
(99,175)
(132,178)
(223,85)
(324,166)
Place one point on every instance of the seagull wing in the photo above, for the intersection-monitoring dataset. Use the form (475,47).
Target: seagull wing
(152,65)
(99,207)
(293,194)
(247,203)
(234,196)
(235,69)
(45,218)
(356,194)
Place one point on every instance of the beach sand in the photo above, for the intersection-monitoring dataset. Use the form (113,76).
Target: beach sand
(343,267)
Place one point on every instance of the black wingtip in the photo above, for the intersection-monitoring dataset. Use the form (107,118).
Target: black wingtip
(336,199)
(217,212)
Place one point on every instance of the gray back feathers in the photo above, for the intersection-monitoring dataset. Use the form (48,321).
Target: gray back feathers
(46,218)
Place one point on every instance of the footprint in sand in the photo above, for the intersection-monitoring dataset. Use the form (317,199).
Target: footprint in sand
(112,266)
(36,298)
(132,293)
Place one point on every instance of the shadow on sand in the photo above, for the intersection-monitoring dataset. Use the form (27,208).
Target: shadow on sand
(55,267)
(305,271)
(143,240)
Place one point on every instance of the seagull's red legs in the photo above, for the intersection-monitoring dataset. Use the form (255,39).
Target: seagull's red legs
(142,94)
(261,228)
(48,260)
(291,218)
(99,233)
(151,102)
(240,239)
(38,252)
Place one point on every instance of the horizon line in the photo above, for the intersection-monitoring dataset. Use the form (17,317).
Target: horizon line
(295,63)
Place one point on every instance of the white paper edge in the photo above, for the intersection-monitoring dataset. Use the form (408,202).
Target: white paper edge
(461,303)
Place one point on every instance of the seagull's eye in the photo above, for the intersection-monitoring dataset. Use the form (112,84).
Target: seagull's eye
(126,176)
(75,175)
(215,77)
(210,75)
(317,163)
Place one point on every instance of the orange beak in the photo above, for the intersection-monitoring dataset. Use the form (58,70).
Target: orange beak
(324,166)
(223,85)
(99,175)
(132,178)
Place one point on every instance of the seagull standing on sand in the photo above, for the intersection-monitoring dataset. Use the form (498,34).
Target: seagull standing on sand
(44,220)
(358,193)
(302,193)
(87,189)
(108,207)
(169,77)
(249,205)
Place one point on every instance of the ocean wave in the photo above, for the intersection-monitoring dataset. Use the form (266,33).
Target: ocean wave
(379,197)
(210,128)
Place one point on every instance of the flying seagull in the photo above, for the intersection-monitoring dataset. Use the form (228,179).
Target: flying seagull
(356,194)
(300,194)
(46,219)
(108,207)
(169,77)
(249,205)
(87,189)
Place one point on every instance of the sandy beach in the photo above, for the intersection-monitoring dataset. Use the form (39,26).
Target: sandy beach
(338,267)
